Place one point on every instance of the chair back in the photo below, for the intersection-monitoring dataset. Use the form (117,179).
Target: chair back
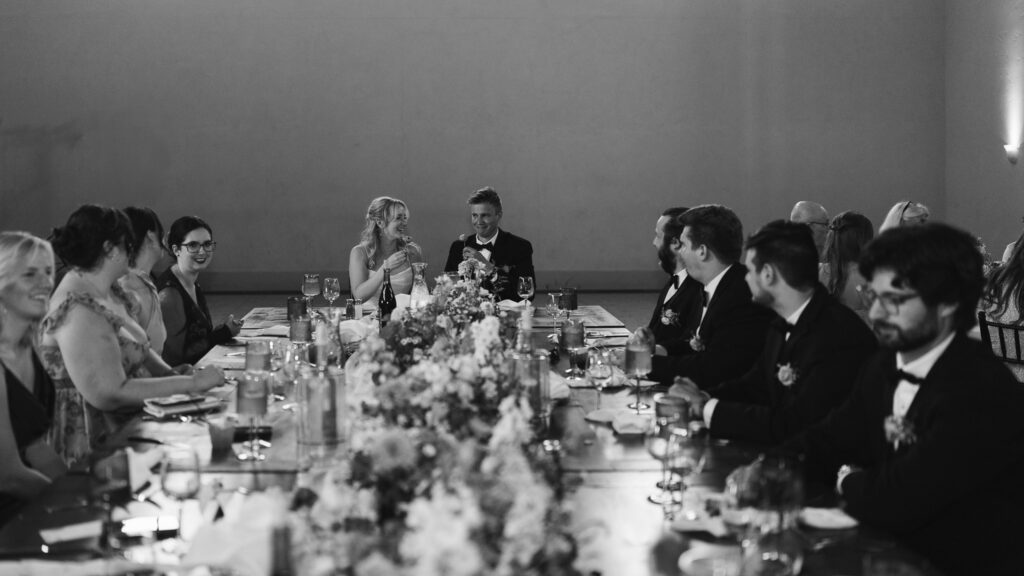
(1003,339)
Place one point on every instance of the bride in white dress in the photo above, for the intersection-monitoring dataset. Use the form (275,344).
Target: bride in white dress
(383,243)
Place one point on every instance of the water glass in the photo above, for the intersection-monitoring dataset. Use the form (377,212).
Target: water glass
(599,370)
(296,307)
(657,440)
(639,349)
(180,477)
(310,287)
(300,330)
(572,340)
(332,290)
(524,287)
(257,356)
(251,401)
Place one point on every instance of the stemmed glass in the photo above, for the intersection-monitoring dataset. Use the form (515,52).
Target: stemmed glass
(572,340)
(658,440)
(688,456)
(524,288)
(310,289)
(179,477)
(554,310)
(599,370)
(639,349)
(332,290)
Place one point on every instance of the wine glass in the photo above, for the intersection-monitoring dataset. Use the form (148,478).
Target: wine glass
(179,477)
(688,455)
(332,290)
(572,340)
(599,370)
(552,308)
(310,289)
(658,441)
(524,288)
(639,349)
(252,402)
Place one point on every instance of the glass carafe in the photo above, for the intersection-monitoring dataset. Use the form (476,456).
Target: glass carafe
(420,295)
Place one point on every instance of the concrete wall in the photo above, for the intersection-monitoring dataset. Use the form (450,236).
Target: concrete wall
(984,112)
(279,120)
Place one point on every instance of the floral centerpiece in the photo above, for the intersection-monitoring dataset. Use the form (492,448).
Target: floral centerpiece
(443,476)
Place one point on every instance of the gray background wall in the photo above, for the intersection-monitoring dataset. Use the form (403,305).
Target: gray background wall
(279,120)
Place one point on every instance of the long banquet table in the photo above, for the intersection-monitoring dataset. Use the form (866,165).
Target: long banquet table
(608,478)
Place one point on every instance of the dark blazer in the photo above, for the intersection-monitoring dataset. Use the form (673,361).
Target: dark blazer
(732,332)
(957,493)
(511,255)
(673,331)
(826,347)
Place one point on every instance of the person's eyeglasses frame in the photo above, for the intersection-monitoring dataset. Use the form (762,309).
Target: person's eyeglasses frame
(890,303)
(194,247)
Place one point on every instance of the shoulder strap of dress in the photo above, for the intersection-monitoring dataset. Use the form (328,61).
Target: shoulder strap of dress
(56,319)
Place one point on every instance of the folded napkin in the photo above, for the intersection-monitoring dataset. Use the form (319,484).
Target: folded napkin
(280,331)
(240,540)
(180,404)
(90,529)
(712,525)
(351,331)
(559,387)
(510,304)
(630,423)
(827,518)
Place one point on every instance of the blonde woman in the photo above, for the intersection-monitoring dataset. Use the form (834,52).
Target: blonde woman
(905,213)
(26,391)
(384,244)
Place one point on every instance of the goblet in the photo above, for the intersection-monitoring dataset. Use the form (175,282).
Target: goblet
(572,340)
(310,289)
(658,441)
(639,349)
(332,290)
(599,370)
(524,288)
(179,477)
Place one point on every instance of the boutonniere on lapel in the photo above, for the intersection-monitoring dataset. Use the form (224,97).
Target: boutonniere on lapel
(899,431)
(787,375)
(669,317)
(696,343)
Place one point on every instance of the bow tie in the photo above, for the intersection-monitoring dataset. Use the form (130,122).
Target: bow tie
(782,326)
(675,281)
(901,375)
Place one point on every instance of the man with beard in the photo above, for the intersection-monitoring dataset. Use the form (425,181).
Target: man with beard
(505,257)
(931,439)
(809,360)
(677,311)
(731,329)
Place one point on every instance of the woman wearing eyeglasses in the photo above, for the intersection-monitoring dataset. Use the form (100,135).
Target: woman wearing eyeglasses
(190,331)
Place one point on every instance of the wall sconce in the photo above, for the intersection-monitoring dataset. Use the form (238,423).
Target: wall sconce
(1012,152)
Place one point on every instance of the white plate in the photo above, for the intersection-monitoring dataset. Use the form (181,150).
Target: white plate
(827,518)
(602,415)
(706,559)
(631,382)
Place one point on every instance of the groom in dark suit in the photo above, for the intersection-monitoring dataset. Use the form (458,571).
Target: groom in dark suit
(810,357)
(677,311)
(931,440)
(731,330)
(505,256)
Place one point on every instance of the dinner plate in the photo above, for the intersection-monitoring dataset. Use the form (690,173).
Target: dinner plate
(706,559)
(827,518)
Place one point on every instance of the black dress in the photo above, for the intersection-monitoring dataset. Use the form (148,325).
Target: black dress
(200,335)
(30,414)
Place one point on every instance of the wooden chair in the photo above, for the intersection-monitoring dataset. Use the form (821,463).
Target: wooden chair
(1007,345)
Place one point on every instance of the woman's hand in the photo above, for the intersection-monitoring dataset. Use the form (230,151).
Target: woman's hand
(183,369)
(207,377)
(396,260)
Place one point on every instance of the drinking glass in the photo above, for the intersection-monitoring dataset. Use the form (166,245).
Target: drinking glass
(688,454)
(658,441)
(332,290)
(639,349)
(675,409)
(553,310)
(310,289)
(599,370)
(525,288)
(572,340)
(179,477)
(252,402)
(257,356)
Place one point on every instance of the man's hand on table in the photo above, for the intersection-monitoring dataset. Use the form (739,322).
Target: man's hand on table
(207,377)
(688,390)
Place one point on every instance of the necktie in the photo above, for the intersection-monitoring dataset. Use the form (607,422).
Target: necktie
(901,375)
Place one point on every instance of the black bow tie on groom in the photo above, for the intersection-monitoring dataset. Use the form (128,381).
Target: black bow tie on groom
(675,281)
(901,375)
(782,326)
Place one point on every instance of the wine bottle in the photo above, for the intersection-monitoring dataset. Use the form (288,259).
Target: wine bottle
(281,551)
(387,303)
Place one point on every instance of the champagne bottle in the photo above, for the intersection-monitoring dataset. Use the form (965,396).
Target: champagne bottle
(386,304)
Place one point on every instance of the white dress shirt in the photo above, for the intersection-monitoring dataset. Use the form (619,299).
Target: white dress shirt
(680,277)
(484,251)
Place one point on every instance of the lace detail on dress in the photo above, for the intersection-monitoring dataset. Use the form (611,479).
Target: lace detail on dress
(77,426)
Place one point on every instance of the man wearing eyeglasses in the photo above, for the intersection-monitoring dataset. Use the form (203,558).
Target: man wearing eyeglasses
(810,357)
(931,440)
(815,216)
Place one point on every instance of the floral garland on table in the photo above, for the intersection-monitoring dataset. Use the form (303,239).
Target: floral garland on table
(443,479)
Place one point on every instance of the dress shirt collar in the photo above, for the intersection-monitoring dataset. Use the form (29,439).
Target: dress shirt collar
(712,285)
(923,365)
(492,240)
(680,278)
